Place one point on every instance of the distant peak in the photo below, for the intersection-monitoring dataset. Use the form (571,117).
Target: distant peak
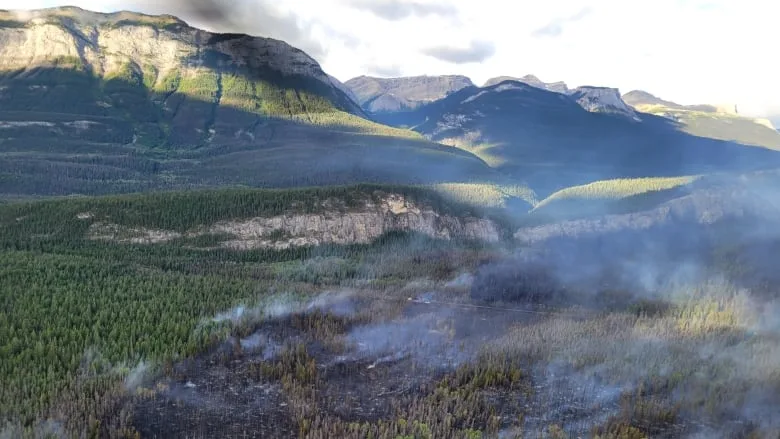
(637,98)
(602,100)
(413,78)
(532,80)
(379,95)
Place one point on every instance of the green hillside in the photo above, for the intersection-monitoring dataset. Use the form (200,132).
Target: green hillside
(187,109)
(549,141)
(79,314)
(719,125)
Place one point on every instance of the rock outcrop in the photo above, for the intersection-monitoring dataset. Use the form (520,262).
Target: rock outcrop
(603,100)
(161,52)
(353,226)
(558,87)
(378,95)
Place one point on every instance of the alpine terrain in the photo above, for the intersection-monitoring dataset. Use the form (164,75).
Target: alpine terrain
(208,235)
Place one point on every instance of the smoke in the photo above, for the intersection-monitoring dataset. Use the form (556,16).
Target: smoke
(263,342)
(425,335)
(136,375)
(337,303)
(710,345)
(282,305)
(462,280)
(274,307)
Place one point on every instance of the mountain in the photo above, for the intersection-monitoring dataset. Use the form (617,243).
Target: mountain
(703,205)
(550,141)
(559,87)
(636,98)
(379,95)
(715,121)
(596,99)
(602,100)
(97,103)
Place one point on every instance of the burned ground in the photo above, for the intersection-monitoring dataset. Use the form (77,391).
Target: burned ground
(345,371)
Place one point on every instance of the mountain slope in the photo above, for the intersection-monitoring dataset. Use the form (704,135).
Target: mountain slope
(97,103)
(550,141)
(602,100)
(708,120)
(378,95)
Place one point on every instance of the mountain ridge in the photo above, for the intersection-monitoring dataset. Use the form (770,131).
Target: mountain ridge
(717,121)
(377,95)
(550,141)
(139,101)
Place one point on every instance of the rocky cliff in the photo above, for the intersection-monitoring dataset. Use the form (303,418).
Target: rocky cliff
(103,103)
(70,60)
(603,100)
(333,225)
(558,87)
(378,95)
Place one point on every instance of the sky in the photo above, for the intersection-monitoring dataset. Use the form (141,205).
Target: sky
(687,51)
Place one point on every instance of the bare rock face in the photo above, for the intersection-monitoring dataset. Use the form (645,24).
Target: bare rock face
(153,47)
(394,213)
(603,100)
(558,87)
(335,226)
(378,95)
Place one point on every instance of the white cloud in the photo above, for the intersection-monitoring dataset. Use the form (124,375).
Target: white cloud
(690,51)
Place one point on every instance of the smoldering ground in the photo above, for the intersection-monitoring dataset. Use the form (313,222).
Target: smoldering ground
(368,358)
(685,338)
(681,353)
(642,332)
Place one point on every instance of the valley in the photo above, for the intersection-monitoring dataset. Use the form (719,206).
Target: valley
(206,235)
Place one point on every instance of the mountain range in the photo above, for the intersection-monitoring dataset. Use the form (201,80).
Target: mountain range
(102,103)
(99,103)
(428,257)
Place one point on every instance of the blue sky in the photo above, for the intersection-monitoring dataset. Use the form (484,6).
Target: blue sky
(689,51)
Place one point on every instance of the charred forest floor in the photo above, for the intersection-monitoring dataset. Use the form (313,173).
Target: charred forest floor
(406,337)
(438,365)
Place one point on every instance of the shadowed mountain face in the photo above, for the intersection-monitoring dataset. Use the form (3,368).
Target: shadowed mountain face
(382,95)
(96,103)
(549,140)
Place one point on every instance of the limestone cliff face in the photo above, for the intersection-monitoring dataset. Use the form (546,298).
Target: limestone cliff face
(151,47)
(379,95)
(558,86)
(602,100)
(336,226)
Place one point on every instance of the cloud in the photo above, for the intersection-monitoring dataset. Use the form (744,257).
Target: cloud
(384,70)
(396,10)
(349,36)
(477,51)
(554,28)
(257,17)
